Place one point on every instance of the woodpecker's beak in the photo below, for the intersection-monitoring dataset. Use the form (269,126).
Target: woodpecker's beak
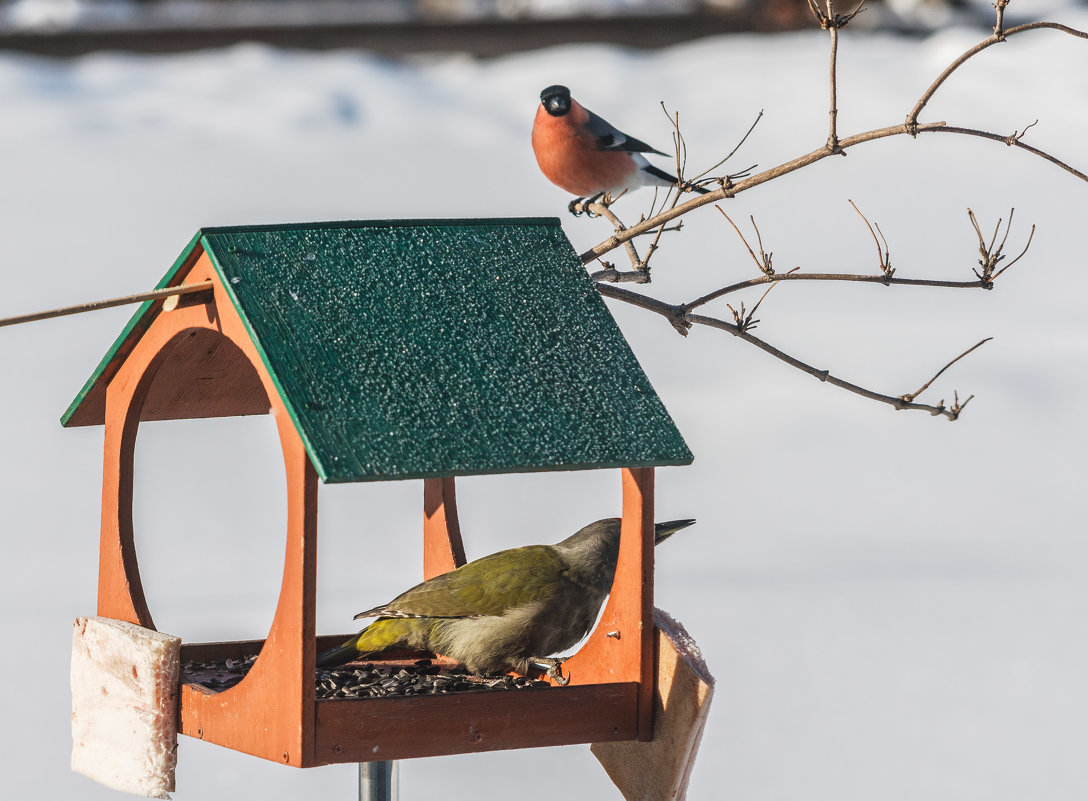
(662,531)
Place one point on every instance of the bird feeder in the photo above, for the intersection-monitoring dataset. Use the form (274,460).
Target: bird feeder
(392,350)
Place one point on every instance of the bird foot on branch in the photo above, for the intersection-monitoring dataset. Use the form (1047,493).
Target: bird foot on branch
(580,205)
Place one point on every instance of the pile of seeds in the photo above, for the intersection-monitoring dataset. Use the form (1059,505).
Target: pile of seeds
(365,681)
(420,678)
(217,675)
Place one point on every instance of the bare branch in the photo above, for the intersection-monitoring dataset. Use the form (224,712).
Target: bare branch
(746,322)
(680,320)
(999,35)
(612,275)
(864,279)
(991,255)
(1011,141)
(730,190)
(798,163)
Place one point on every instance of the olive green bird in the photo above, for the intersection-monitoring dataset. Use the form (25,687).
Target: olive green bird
(505,611)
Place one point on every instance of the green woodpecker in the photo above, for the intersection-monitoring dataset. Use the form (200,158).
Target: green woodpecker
(505,611)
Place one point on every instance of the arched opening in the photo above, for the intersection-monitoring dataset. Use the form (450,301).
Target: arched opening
(208,494)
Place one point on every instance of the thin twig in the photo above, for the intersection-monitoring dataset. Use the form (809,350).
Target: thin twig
(833,114)
(993,254)
(765,262)
(732,152)
(910,396)
(885,257)
(1022,252)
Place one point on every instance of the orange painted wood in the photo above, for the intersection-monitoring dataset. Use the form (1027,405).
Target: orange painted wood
(270,713)
(243,717)
(660,770)
(443,549)
(273,713)
(370,729)
(620,648)
(92,410)
(207,375)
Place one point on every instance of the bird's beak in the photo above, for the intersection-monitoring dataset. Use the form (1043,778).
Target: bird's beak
(662,531)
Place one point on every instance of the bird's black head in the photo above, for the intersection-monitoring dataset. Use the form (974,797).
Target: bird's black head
(556,100)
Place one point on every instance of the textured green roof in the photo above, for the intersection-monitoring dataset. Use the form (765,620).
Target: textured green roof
(406,349)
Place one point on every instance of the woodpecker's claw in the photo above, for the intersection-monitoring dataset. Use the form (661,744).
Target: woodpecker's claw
(553,672)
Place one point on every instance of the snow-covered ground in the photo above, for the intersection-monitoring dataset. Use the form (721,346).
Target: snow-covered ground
(894,606)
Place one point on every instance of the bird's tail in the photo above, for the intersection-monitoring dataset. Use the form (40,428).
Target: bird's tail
(381,635)
(658,173)
(339,655)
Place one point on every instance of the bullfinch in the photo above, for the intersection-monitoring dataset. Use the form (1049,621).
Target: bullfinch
(585,155)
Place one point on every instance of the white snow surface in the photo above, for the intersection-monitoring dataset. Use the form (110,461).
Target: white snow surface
(894,606)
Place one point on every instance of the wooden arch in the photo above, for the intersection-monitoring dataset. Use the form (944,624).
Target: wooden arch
(273,712)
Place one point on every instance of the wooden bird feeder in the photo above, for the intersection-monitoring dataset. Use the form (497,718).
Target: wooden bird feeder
(392,350)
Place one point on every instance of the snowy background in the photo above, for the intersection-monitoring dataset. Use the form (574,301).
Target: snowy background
(894,606)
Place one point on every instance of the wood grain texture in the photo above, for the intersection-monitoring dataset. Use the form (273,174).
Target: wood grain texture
(443,549)
(403,728)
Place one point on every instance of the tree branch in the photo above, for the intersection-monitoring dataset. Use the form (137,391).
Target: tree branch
(680,320)
(999,35)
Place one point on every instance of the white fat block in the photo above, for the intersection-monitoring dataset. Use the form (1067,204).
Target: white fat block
(125,705)
(659,770)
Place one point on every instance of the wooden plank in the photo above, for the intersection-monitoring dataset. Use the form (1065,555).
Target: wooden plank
(370,729)
(443,549)
(218,651)
(245,717)
(242,718)
(620,648)
(206,375)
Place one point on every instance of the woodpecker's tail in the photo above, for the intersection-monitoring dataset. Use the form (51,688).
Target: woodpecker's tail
(381,635)
(339,655)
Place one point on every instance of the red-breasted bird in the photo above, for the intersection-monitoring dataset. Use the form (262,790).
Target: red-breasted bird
(505,611)
(585,155)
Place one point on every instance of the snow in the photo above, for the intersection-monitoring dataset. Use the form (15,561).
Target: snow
(893,605)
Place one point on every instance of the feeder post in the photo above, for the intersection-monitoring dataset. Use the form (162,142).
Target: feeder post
(378,781)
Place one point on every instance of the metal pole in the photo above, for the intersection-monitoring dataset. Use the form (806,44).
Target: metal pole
(378,781)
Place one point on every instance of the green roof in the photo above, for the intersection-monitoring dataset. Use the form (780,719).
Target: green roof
(416,348)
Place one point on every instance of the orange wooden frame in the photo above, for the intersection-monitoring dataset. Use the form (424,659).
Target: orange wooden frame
(273,712)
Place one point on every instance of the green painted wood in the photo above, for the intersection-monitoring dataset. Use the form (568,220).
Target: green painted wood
(408,349)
